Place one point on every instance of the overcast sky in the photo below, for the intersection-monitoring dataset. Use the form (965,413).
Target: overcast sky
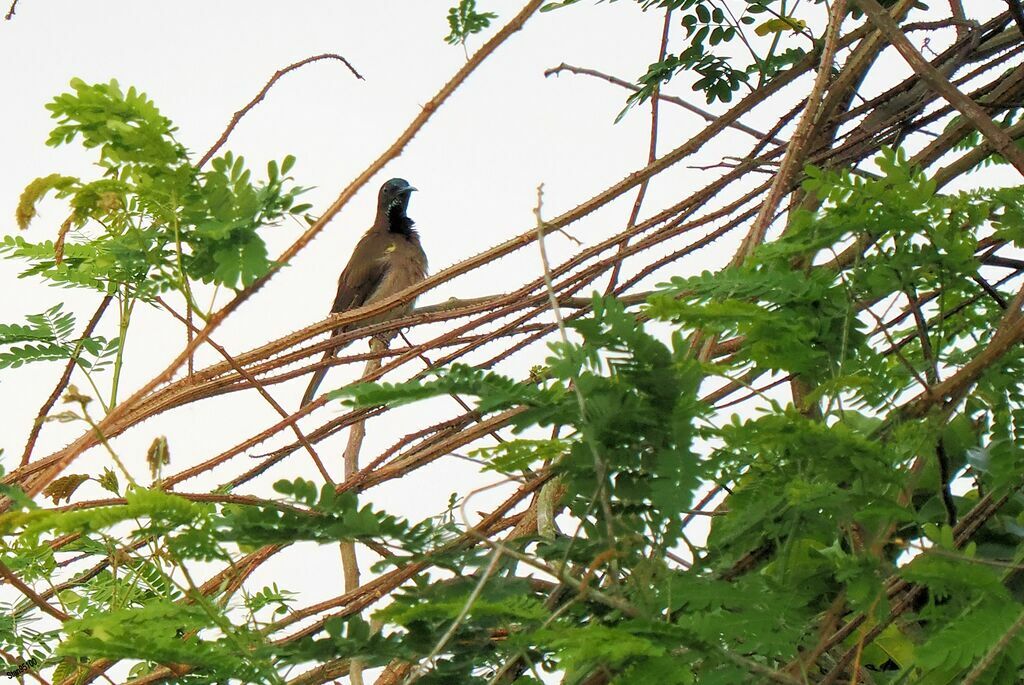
(477,165)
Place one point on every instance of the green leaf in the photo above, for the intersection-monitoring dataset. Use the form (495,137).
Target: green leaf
(961,642)
(779,25)
(516,455)
(332,518)
(35,191)
(162,632)
(464,21)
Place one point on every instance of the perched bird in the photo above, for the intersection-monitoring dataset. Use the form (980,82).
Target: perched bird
(388,259)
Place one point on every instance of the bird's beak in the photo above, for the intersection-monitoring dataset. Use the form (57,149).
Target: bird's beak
(408,189)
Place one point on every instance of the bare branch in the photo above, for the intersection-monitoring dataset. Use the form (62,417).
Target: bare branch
(33,596)
(1016,11)
(652,154)
(970,109)
(237,117)
(703,113)
(956,9)
(65,377)
(65,456)
(795,153)
(259,386)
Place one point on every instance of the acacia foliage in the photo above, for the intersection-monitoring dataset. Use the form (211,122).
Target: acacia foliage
(823,503)
(868,528)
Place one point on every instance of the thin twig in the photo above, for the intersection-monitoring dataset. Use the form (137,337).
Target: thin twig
(350,460)
(945,476)
(31,594)
(458,400)
(931,369)
(985,508)
(1008,334)
(600,468)
(990,291)
(37,425)
(418,673)
(263,93)
(956,9)
(996,136)
(627,609)
(704,114)
(262,391)
(652,154)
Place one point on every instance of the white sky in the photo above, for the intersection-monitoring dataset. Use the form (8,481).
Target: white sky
(477,164)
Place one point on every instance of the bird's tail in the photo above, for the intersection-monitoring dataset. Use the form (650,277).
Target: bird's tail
(319,374)
(314,383)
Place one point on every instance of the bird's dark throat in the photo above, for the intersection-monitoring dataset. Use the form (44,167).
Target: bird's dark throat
(398,222)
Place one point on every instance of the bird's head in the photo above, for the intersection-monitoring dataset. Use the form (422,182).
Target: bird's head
(394,195)
(392,202)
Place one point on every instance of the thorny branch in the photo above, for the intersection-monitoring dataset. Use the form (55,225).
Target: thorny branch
(237,117)
(1016,11)
(259,387)
(966,106)
(65,377)
(24,589)
(795,152)
(702,113)
(503,325)
(652,154)
(61,459)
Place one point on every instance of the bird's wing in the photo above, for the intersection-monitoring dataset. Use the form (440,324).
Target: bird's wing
(363,274)
(360,278)
(380,266)
(404,268)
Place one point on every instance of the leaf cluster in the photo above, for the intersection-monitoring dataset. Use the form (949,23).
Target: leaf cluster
(808,488)
(152,221)
(48,336)
(464,21)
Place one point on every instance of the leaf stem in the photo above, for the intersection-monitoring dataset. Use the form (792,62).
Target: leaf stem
(600,468)
(126,303)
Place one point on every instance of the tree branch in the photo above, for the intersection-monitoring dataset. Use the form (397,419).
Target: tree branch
(970,109)
(263,93)
(1016,11)
(795,153)
(37,425)
(62,458)
(259,387)
(702,113)
(31,594)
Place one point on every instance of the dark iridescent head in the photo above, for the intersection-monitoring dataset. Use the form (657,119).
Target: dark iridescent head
(394,194)
(392,203)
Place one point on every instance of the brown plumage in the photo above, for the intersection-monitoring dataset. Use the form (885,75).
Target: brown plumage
(387,260)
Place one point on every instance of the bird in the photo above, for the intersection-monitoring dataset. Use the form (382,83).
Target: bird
(387,259)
